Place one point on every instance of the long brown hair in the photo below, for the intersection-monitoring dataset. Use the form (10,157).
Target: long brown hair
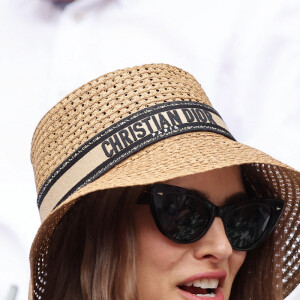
(92,254)
(92,251)
(257,278)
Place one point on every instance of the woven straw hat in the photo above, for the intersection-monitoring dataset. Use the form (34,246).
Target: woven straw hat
(138,126)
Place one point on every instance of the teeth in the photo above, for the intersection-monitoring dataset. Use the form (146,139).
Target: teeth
(204,283)
(206,295)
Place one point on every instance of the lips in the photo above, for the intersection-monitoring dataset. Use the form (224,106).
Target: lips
(203,286)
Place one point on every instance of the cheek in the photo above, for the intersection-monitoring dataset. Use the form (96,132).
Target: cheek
(235,262)
(155,253)
(157,259)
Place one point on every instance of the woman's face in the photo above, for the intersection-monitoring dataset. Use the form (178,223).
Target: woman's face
(163,265)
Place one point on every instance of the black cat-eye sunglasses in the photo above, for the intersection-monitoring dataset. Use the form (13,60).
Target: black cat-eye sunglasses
(184,216)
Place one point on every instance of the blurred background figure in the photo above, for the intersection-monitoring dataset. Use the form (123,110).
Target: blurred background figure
(61,1)
(12,293)
(13,265)
(246,55)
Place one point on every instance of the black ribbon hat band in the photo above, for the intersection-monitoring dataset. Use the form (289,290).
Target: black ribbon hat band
(124,138)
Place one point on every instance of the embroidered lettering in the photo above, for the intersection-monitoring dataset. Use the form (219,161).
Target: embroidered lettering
(107,153)
(146,121)
(163,121)
(125,137)
(141,130)
(174,117)
(115,143)
(209,117)
(188,115)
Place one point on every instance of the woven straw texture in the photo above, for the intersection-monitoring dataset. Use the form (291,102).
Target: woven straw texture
(106,100)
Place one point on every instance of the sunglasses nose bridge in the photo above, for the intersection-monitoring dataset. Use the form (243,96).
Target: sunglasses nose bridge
(218,211)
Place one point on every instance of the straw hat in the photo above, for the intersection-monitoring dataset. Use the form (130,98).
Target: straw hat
(138,126)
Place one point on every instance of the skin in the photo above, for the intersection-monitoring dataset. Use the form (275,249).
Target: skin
(163,264)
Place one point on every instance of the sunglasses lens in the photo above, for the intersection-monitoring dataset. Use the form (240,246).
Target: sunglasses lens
(180,217)
(245,226)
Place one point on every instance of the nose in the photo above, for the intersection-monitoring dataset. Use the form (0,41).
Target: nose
(214,245)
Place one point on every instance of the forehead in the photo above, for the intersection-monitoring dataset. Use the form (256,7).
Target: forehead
(217,184)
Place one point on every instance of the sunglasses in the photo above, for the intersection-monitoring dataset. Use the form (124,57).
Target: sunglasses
(184,216)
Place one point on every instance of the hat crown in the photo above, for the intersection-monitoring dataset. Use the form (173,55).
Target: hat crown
(102,102)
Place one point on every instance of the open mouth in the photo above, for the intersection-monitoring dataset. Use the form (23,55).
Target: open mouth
(201,287)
